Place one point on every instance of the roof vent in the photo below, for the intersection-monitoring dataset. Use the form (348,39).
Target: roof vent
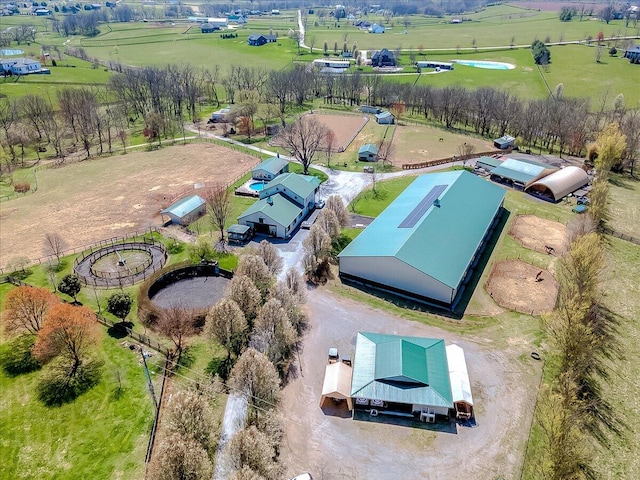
(270,200)
(436,203)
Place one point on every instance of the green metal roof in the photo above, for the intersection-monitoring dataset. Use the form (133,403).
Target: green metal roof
(272,165)
(401,369)
(185,206)
(279,209)
(489,161)
(520,170)
(301,185)
(239,229)
(368,148)
(443,241)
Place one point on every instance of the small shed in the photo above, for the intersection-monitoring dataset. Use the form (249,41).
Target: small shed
(385,118)
(239,233)
(270,168)
(368,153)
(185,211)
(208,28)
(337,384)
(504,142)
(370,109)
(488,163)
(460,383)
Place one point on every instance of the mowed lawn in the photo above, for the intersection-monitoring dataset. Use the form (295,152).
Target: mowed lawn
(101,435)
(416,144)
(624,203)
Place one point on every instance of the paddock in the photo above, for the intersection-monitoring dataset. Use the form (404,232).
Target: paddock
(539,234)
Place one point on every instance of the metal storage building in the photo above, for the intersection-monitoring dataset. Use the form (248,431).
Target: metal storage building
(185,211)
(425,244)
(520,172)
(270,168)
(559,184)
(368,153)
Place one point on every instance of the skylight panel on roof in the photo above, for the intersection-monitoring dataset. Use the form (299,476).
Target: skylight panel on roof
(418,212)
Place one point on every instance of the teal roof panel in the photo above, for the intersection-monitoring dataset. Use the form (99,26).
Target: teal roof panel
(301,185)
(185,206)
(519,170)
(443,241)
(279,209)
(412,370)
(368,148)
(272,165)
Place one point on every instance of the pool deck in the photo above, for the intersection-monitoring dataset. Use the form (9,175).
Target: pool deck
(245,189)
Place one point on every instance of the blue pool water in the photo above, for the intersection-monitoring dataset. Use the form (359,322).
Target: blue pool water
(486,64)
(257,186)
(6,52)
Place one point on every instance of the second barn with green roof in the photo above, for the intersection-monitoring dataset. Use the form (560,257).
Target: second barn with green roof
(425,244)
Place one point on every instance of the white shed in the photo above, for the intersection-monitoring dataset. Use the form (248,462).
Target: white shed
(460,384)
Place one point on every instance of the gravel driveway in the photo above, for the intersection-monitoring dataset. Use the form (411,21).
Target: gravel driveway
(335,447)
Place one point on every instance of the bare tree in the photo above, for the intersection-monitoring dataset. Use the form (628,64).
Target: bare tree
(270,256)
(335,203)
(54,245)
(178,457)
(227,324)
(273,334)
(177,323)
(255,377)
(189,415)
(254,267)
(304,138)
(385,151)
(243,291)
(328,221)
(218,200)
(329,145)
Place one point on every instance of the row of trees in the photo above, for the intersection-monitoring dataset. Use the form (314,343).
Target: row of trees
(572,414)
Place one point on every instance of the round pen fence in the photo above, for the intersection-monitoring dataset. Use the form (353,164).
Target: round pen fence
(118,265)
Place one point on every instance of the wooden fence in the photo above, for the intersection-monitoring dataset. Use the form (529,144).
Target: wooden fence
(460,158)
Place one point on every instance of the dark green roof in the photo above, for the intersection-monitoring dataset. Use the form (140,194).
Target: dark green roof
(272,165)
(411,370)
(301,185)
(277,207)
(368,148)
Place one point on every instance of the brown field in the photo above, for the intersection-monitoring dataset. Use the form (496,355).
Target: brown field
(97,199)
(345,127)
(417,144)
(537,234)
(512,284)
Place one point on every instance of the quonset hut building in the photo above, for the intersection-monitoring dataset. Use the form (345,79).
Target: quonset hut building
(425,244)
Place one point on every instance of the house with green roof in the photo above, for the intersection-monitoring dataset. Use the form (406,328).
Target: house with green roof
(270,169)
(368,153)
(402,375)
(425,244)
(186,210)
(520,172)
(284,203)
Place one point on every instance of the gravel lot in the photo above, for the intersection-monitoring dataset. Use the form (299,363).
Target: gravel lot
(337,447)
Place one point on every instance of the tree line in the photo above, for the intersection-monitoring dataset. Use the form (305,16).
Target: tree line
(164,98)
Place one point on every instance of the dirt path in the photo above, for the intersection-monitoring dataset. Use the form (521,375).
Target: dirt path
(341,448)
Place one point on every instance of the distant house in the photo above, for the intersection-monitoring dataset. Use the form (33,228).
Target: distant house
(186,211)
(42,12)
(208,28)
(275,12)
(270,169)
(284,203)
(220,115)
(370,109)
(368,153)
(385,118)
(259,40)
(633,54)
(21,66)
(456,20)
(375,28)
(383,58)
(504,142)
(236,19)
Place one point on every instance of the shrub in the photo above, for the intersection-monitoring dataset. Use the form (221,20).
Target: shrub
(21,187)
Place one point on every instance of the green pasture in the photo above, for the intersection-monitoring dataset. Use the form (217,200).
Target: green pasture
(624,203)
(500,25)
(102,434)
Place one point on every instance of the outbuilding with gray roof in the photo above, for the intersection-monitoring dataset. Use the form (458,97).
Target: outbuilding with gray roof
(185,211)
(520,173)
(425,244)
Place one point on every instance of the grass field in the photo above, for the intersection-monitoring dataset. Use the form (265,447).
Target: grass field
(101,435)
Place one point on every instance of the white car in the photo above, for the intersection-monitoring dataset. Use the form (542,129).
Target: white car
(320,204)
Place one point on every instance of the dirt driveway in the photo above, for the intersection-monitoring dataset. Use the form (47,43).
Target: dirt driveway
(333,447)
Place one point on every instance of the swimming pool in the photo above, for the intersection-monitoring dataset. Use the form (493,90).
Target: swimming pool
(257,186)
(6,52)
(485,64)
